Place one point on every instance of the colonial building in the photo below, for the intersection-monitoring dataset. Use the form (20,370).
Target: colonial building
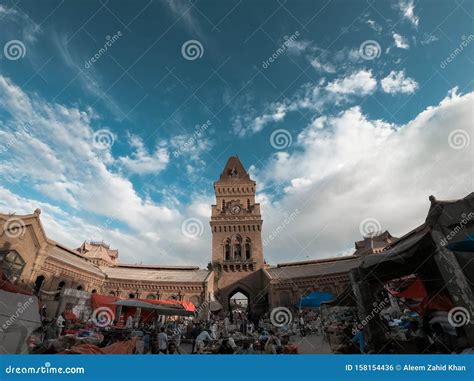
(30,258)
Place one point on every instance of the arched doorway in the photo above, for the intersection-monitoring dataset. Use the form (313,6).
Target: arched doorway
(239,307)
(38,284)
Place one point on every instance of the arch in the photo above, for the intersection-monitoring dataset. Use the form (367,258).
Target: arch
(227,250)
(111,293)
(59,288)
(248,248)
(13,264)
(131,296)
(237,246)
(39,283)
(94,291)
(238,291)
(79,288)
(151,296)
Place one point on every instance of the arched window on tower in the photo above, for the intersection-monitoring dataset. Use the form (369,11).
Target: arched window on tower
(223,205)
(227,249)
(248,248)
(237,248)
(248,204)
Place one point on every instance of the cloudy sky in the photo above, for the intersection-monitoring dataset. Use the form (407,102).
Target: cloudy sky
(116,117)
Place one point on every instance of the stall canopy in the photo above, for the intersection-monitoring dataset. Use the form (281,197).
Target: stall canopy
(345,299)
(161,309)
(315,299)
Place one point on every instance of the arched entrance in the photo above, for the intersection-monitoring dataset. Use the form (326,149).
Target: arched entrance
(38,283)
(239,308)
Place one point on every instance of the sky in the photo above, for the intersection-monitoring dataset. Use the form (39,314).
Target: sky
(116,117)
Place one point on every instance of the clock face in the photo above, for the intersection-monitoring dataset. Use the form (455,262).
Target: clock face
(235,209)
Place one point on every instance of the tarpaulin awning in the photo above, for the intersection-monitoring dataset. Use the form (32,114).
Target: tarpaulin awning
(417,297)
(315,299)
(169,310)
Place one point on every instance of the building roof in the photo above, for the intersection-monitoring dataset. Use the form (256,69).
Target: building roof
(98,250)
(234,171)
(375,244)
(154,274)
(69,257)
(313,268)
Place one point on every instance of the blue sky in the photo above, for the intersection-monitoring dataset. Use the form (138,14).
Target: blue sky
(349,114)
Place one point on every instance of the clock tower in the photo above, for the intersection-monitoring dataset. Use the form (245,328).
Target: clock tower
(236,225)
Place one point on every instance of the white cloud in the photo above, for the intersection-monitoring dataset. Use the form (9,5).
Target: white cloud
(374,25)
(396,82)
(325,67)
(400,41)
(50,148)
(407,9)
(141,162)
(349,167)
(361,82)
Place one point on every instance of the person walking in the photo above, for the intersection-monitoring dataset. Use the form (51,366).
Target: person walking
(162,341)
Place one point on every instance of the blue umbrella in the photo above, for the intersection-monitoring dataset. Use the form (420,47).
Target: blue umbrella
(315,299)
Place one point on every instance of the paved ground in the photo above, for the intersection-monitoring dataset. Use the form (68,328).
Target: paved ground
(310,344)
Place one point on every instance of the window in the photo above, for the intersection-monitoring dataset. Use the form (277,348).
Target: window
(227,250)
(237,248)
(248,204)
(223,205)
(248,248)
(13,265)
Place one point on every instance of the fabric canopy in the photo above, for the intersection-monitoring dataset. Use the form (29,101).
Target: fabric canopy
(315,299)
(161,309)
(418,299)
